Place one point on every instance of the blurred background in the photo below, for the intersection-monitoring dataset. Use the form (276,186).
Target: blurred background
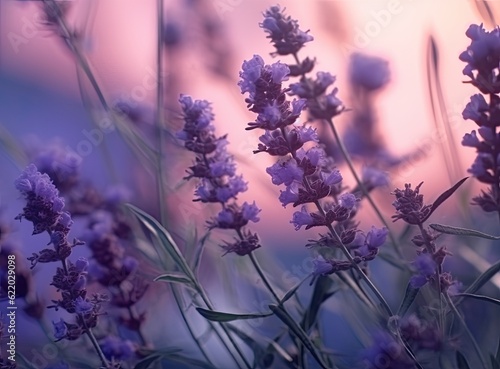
(45,95)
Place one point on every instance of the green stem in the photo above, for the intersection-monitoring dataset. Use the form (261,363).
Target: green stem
(96,345)
(467,330)
(208,303)
(278,300)
(360,184)
(159,111)
(188,325)
(360,271)
(263,277)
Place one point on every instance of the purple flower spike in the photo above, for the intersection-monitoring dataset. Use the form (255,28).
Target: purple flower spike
(284,31)
(215,167)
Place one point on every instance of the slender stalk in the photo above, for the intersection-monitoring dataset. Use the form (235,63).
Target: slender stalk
(88,331)
(208,303)
(367,280)
(159,110)
(263,277)
(259,270)
(467,330)
(188,325)
(360,184)
(343,247)
(92,338)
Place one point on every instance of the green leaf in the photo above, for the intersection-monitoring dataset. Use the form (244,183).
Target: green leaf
(166,240)
(218,316)
(480,297)
(148,361)
(320,294)
(297,330)
(292,291)
(461,231)
(462,362)
(174,277)
(410,295)
(482,279)
(443,197)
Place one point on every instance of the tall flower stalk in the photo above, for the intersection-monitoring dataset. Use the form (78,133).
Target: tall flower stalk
(44,208)
(483,58)
(288,39)
(219,184)
(309,175)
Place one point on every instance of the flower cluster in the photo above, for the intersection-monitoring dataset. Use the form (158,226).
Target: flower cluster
(44,209)
(107,228)
(410,207)
(308,173)
(112,268)
(216,169)
(284,31)
(483,57)
(59,163)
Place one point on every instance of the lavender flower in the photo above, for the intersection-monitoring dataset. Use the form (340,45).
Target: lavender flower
(308,173)
(44,209)
(368,72)
(426,267)
(428,264)
(482,57)
(284,31)
(409,205)
(216,168)
(115,348)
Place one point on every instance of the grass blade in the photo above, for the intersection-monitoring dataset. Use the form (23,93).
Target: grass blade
(218,316)
(157,230)
(174,277)
(481,297)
